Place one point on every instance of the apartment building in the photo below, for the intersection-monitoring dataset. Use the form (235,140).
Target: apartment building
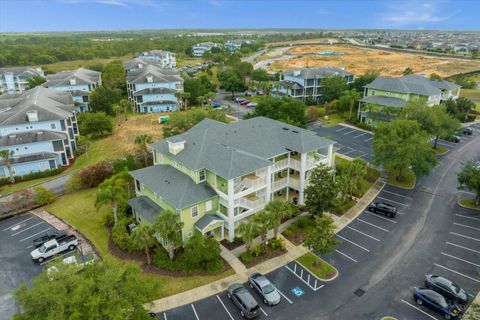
(235,45)
(166,59)
(199,49)
(15,79)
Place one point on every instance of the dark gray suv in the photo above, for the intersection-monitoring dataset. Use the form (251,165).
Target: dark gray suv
(383,208)
(242,298)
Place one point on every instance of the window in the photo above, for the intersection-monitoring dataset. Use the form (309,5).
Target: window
(194,211)
(137,185)
(208,205)
(373,92)
(53,126)
(201,175)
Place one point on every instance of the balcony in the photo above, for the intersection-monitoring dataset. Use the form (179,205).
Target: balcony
(249,182)
(281,164)
(250,202)
(280,184)
(295,164)
(294,182)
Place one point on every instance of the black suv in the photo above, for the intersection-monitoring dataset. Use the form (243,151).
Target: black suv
(383,208)
(468,131)
(446,288)
(242,298)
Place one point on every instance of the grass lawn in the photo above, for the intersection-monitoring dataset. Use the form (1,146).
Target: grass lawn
(469,203)
(409,179)
(470,93)
(75,64)
(333,119)
(317,266)
(440,150)
(78,210)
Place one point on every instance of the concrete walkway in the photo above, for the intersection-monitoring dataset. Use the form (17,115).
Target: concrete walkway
(233,261)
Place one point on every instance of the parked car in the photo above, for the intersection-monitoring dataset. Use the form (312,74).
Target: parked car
(435,301)
(37,242)
(245,102)
(446,288)
(79,261)
(251,105)
(130,227)
(467,131)
(53,247)
(248,93)
(383,208)
(264,288)
(455,139)
(216,104)
(239,100)
(260,93)
(247,304)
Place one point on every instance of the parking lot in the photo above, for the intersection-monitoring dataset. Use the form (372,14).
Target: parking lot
(463,138)
(16,267)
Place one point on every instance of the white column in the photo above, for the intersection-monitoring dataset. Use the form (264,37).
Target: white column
(269,183)
(331,158)
(303,166)
(230,210)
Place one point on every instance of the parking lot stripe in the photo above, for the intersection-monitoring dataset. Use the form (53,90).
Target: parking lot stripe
(349,132)
(368,139)
(16,224)
(402,204)
(281,293)
(14,234)
(463,216)
(300,277)
(456,272)
(345,153)
(33,235)
(345,255)
(165,316)
(377,216)
(373,225)
(341,129)
(355,244)
(459,246)
(366,235)
(460,259)
(467,237)
(266,315)
(397,194)
(362,134)
(195,311)
(418,309)
(465,226)
(467,192)
(228,312)
(29,247)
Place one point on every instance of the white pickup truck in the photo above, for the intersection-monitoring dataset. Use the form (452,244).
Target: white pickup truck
(53,247)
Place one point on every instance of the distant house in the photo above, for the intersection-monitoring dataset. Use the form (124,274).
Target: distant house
(199,49)
(15,79)
(234,45)
(307,83)
(152,89)
(40,127)
(78,82)
(396,92)
(166,59)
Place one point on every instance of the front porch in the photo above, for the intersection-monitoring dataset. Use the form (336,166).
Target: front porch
(211,225)
(287,195)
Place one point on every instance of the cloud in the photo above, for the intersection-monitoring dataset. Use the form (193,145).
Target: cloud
(415,12)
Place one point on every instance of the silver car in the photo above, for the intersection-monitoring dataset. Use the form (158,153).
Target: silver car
(264,288)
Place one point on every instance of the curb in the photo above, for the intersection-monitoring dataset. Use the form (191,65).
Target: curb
(464,206)
(354,127)
(411,188)
(323,280)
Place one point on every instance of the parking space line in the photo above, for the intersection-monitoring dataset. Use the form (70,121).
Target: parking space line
(345,255)
(459,246)
(373,225)
(460,259)
(16,224)
(266,315)
(341,129)
(368,139)
(467,192)
(397,194)
(465,226)
(467,237)
(14,234)
(418,309)
(463,216)
(402,204)
(362,134)
(281,293)
(456,272)
(366,235)
(355,244)
(301,278)
(228,312)
(345,153)
(349,132)
(33,235)
(195,311)
(165,316)
(377,216)
(362,155)
(29,247)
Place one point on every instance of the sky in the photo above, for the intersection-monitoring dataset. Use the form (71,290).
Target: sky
(79,15)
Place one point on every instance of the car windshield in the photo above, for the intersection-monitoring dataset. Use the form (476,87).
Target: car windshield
(268,289)
(42,249)
(455,288)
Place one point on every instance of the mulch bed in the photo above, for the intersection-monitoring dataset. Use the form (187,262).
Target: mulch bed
(264,257)
(297,238)
(231,245)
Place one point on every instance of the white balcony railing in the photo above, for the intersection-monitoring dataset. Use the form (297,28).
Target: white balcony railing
(249,183)
(281,164)
(295,164)
(280,184)
(250,204)
(294,183)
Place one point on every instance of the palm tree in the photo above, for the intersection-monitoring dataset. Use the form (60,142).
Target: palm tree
(142,237)
(168,226)
(142,141)
(185,97)
(280,210)
(264,221)
(111,191)
(247,231)
(125,105)
(7,155)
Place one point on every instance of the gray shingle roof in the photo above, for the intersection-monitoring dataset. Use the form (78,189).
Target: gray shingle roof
(32,157)
(290,84)
(149,209)
(204,221)
(159,103)
(31,137)
(385,101)
(415,84)
(232,150)
(321,72)
(159,75)
(173,186)
(23,71)
(50,104)
(81,76)
(135,62)
(154,91)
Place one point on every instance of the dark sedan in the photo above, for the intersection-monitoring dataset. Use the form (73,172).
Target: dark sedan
(446,288)
(436,302)
(242,298)
(383,208)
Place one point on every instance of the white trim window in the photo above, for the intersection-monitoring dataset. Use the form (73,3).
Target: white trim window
(194,211)
(208,205)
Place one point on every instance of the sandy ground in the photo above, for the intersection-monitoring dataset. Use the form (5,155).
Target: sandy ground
(358,60)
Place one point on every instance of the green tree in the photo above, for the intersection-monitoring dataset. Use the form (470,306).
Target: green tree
(469,179)
(280,210)
(142,141)
(182,121)
(320,194)
(287,110)
(333,87)
(248,231)
(407,71)
(196,87)
(142,238)
(103,99)
(322,238)
(86,294)
(244,69)
(113,76)
(350,176)
(460,108)
(125,105)
(111,191)
(43,196)
(435,76)
(168,227)
(360,82)
(35,81)
(202,253)
(265,221)
(231,81)
(401,144)
(7,156)
(260,75)
(95,125)
(346,102)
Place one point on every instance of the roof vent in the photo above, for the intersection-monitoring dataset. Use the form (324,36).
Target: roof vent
(73,82)
(12,136)
(149,79)
(296,73)
(286,129)
(32,116)
(140,66)
(295,131)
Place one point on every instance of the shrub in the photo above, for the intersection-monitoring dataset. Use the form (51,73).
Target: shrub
(246,257)
(303,222)
(256,251)
(121,237)
(94,175)
(162,260)
(74,183)
(293,228)
(312,113)
(128,162)
(33,175)
(44,196)
(288,233)
(202,253)
(95,124)
(276,244)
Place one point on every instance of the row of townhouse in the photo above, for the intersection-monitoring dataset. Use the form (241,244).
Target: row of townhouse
(165,59)
(40,127)
(235,45)
(15,79)
(200,49)
(216,175)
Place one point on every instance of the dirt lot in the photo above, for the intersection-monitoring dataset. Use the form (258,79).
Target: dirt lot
(358,60)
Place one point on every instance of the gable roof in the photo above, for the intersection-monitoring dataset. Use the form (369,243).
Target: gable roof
(31,137)
(321,72)
(158,74)
(415,84)
(23,71)
(173,186)
(50,104)
(135,62)
(149,209)
(81,75)
(232,150)
(385,101)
